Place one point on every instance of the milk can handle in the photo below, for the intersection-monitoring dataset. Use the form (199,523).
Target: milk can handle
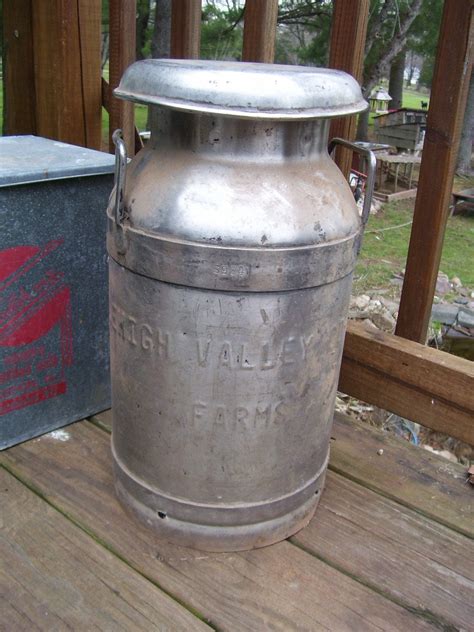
(369,185)
(120,173)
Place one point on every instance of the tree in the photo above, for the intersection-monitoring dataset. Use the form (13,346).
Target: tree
(161,39)
(143,29)
(463,166)
(221,30)
(395,83)
(389,26)
(423,38)
(302,37)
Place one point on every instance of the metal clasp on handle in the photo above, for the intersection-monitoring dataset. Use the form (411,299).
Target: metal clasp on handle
(120,173)
(369,185)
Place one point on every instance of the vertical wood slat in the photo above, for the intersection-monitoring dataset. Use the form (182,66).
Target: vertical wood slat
(448,98)
(57,71)
(185,29)
(122,37)
(348,34)
(67,90)
(19,80)
(90,18)
(260,22)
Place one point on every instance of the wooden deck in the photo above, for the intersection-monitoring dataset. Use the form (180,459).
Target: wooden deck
(390,548)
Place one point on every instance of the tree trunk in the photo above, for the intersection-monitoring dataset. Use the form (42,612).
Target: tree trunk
(104,52)
(411,70)
(393,47)
(395,86)
(161,40)
(160,45)
(143,16)
(465,146)
(363,127)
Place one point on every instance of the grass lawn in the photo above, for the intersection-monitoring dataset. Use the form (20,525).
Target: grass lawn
(411,99)
(384,251)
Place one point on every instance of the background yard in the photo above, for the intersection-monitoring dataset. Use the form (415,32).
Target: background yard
(386,241)
(384,251)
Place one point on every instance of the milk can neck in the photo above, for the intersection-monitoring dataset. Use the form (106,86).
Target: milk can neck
(243,139)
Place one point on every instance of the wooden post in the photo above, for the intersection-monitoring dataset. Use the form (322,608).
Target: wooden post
(260,21)
(63,85)
(185,29)
(348,33)
(53,69)
(122,37)
(447,103)
(19,114)
(89,26)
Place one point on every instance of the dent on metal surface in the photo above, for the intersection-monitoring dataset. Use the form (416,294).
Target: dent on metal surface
(230,279)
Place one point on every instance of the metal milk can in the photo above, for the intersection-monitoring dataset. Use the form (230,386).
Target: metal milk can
(232,238)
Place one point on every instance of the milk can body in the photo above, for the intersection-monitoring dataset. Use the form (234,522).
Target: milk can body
(231,261)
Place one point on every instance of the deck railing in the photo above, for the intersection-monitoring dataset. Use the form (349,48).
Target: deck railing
(395,372)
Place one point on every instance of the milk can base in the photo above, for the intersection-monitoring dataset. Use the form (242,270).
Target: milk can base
(215,538)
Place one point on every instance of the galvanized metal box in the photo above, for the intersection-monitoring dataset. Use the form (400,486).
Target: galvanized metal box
(54,349)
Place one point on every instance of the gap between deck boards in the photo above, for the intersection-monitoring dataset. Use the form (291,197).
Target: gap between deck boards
(61,576)
(93,535)
(421,618)
(103,422)
(427,615)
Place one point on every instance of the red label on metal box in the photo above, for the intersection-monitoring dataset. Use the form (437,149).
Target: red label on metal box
(35,326)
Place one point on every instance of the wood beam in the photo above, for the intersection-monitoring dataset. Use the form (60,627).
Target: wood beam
(448,99)
(122,34)
(185,29)
(19,113)
(419,383)
(260,21)
(66,53)
(90,24)
(348,34)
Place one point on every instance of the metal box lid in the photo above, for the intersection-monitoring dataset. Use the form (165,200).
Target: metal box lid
(241,89)
(26,159)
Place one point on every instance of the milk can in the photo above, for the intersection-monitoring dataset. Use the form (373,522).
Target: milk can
(232,238)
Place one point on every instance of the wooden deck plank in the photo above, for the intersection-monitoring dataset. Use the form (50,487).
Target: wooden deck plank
(415,560)
(56,577)
(413,477)
(281,587)
(426,565)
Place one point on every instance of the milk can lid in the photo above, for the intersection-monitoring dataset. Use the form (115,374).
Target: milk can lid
(241,89)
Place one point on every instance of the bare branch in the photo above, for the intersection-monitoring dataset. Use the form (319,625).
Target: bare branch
(376,25)
(394,46)
(236,22)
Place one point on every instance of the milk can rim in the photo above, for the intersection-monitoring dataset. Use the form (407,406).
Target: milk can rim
(242,89)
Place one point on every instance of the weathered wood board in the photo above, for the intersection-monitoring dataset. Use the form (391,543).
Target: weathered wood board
(449,90)
(56,577)
(395,550)
(402,136)
(426,385)
(362,532)
(411,476)
(281,587)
